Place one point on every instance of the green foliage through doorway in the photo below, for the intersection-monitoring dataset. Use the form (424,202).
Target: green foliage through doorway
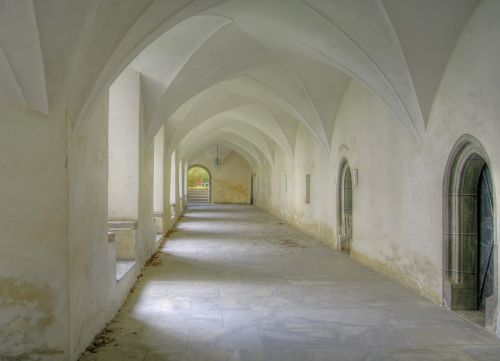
(198,178)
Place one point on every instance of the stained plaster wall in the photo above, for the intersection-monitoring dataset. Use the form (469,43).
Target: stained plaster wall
(230,181)
(33,243)
(398,203)
(96,295)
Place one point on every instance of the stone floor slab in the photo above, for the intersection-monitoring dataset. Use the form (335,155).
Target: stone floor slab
(237,284)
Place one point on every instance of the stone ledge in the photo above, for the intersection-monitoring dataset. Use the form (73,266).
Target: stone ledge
(122,225)
(123,267)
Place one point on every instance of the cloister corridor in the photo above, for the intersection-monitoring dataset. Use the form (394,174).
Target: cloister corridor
(235,283)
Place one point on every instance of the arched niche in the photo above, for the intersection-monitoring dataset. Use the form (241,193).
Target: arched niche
(344,208)
(469,237)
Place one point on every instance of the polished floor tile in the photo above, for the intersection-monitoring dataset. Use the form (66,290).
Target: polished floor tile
(238,284)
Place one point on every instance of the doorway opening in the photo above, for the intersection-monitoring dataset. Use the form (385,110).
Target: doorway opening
(158,183)
(469,252)
(123,170)
(344,208)
(199,185)
(252,180)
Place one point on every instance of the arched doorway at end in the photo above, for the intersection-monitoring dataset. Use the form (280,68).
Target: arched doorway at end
(199,185)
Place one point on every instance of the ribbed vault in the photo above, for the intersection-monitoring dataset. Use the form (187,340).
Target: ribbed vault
(246,72)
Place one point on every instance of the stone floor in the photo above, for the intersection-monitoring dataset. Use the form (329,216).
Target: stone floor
(238,284)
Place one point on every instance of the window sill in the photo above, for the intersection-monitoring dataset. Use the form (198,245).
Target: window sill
(123,267)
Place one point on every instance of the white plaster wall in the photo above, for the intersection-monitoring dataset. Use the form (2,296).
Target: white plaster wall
(33,241)
(158,171)
(392,205)
(173,179)
(123,181)
(172,205)
(92,257)
(95,294)
(146,233)
(167,219)
(180,183)
(398,203)
(289,202)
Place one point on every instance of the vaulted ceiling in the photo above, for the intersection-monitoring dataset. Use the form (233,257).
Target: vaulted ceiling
(244,73)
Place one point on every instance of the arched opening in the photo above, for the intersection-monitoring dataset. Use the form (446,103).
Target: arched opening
(158,183)
(199,185)
(123,169)
(344,209)
(469,257)
(181,185)
(173,185)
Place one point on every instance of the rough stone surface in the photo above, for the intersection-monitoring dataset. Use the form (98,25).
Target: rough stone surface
(234,283)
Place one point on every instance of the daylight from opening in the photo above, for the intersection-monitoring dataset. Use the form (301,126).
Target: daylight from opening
(198,178)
